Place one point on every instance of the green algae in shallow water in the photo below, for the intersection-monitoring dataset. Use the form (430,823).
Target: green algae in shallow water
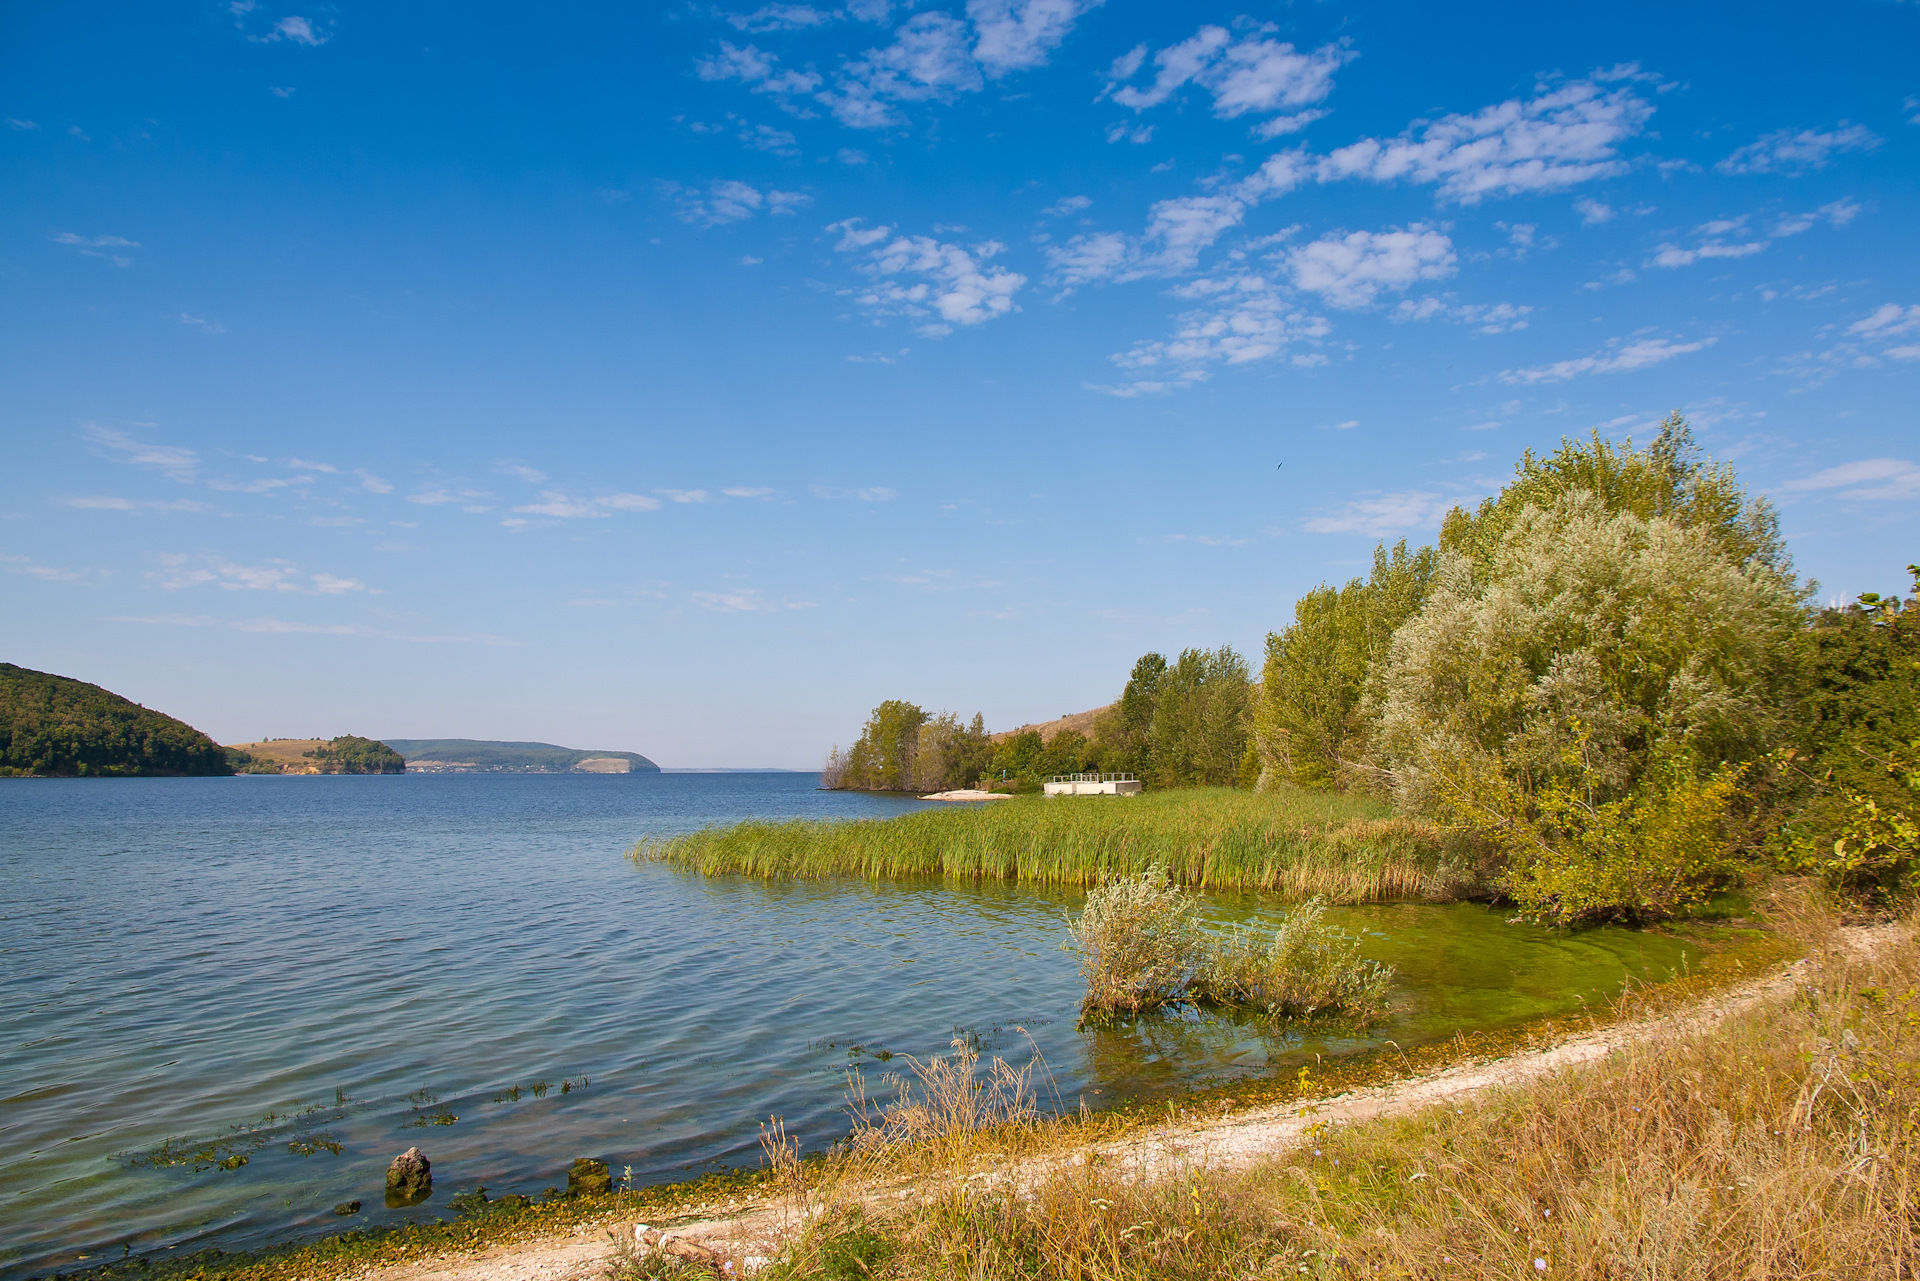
(1459,968)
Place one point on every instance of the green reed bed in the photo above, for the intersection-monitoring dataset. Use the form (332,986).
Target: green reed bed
(1294,843)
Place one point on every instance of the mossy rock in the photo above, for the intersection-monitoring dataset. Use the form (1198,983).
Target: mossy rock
(589,1177)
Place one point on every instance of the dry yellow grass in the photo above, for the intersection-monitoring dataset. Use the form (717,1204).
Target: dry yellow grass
(1779,1143)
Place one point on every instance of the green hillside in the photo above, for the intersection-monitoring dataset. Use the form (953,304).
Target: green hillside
(60,727)
(481,755)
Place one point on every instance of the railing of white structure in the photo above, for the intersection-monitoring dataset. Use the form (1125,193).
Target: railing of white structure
(1093,778)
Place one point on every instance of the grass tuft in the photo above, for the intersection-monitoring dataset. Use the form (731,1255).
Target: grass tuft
(1294,842)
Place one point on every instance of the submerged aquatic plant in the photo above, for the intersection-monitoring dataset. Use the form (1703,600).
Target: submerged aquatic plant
(1142,944)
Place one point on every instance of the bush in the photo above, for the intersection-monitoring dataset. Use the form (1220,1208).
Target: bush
(1309,968)
(1140,943)
(1143,946)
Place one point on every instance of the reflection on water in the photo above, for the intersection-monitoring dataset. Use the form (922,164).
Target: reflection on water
(313,974)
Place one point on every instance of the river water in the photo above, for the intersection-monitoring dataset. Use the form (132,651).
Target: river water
(225,1004)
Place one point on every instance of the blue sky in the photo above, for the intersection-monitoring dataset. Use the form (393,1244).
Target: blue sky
(687,379)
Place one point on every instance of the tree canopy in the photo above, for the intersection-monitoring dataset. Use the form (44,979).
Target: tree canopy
(57,726)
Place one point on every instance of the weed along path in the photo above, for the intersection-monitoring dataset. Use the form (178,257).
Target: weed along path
(734,1234)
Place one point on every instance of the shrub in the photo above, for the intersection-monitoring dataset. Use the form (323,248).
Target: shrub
(1142,945)
(1308,968)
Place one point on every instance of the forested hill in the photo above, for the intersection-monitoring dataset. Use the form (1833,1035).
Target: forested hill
(60,727)
(473,755)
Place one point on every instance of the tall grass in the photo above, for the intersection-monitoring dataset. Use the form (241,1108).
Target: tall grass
(1295,843)
(1780,1143)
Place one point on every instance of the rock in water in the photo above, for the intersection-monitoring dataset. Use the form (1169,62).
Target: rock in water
(589,1177)
(347,1207)
(410,1177)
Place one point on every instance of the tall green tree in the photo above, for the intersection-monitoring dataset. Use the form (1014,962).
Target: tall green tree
(1308,719)
(1201,718)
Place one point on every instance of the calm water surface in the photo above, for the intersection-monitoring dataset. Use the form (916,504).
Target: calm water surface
(198,970)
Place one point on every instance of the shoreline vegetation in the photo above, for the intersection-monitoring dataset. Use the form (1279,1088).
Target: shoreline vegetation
(1289,841)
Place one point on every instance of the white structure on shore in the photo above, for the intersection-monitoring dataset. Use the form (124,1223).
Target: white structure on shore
(1093,785)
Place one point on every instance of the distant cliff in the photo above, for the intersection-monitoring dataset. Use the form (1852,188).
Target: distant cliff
(56,726)
(482,756)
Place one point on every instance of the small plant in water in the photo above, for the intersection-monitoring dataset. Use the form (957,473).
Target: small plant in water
(511,1095)
(1142,945)
(540,1089)
(314,1144)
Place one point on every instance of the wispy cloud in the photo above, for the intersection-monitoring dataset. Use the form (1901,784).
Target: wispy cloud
(558,505)
(1247,74)
(1871,480)
(1791,151)
(746,600)
(1378,515)
(48,573)
(1242,319)
(113,504)
(178,571)
(1619,356)
(1558,139)
(874,494)
(728,201)
(1488,318)
(99,246)
(934,283)
(285,627)
(747,491)
(175,462)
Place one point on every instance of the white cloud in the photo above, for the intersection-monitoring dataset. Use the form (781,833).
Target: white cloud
(1873,479)
(728,201)
(111,504)
(1245,75)
(1619,356)
(746,600)
(1594,212)
(937,284)
(628,502)
(767,138)
(1066,207)
(780,17)
(532,475)
(99,246)
(1837,214)
(686,495)
(875,494)
(1178,230)
(283,627)
(175,462)
(1138,135)
(1379,515)
(1014,35)
(756,69)
(47,573)
(1488,318)
(1553,141)
(1243,319)
(1790,152)
(1351,270)
(1889,321)
(180,571)
(747,491)
(21,126)
(928,59)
